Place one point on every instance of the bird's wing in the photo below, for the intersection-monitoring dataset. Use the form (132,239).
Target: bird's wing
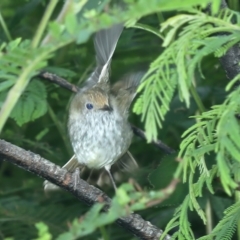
(127,162)
(123,168)
(125,90)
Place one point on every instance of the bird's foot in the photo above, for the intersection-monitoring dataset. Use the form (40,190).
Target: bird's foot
(77,177)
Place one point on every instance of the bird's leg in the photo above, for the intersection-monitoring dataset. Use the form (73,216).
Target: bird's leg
(76,177)
(108,167)
(89,176)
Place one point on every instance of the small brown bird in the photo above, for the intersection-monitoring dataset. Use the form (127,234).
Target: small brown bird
(98,118)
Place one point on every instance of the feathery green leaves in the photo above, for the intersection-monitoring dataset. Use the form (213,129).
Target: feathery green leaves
(189,38)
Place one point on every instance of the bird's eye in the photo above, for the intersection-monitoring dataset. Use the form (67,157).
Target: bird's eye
(89,106)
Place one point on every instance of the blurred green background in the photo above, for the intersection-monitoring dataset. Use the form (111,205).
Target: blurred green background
(22,200)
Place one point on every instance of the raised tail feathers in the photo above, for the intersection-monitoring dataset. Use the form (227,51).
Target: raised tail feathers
(105,42)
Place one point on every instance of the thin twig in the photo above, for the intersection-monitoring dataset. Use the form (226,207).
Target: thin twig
(158,143)
(58,80)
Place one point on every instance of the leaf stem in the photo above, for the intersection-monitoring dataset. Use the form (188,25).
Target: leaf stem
(148,29)
(161,18)
(65,9)
(208,213)
(22,82)
(43,23)
(17,90)
(5,29)
(197,99)
(104,233)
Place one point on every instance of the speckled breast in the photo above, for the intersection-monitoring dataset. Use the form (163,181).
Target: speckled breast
(101,139)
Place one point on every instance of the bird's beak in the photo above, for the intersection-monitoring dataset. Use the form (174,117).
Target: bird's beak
(106,108)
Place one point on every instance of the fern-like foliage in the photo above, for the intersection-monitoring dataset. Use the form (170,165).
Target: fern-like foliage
(158,88)
(216,131)
(190,37)
(227,226)
(180,220)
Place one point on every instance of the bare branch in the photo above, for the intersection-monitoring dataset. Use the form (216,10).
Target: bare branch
(158,143)
(86,193)
(58,80)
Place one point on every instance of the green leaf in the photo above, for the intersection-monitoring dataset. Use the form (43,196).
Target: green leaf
(13,44)
(6,84)
(71,23)
(43,232)
(31,105)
